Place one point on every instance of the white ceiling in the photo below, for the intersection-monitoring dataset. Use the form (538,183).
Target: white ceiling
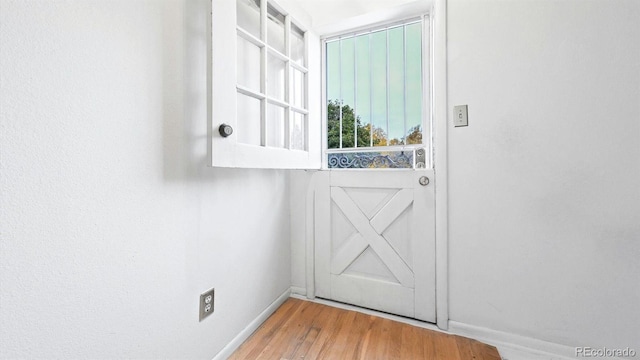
(326,12)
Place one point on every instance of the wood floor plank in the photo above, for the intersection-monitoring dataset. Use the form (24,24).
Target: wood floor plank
(484,351)
(266,331)
(309,338)
(306,330)
(356,336)
(395,340)
(428,344)
(412,343)
(335,344)
(446,347)
(315,333)
(464,348)
(300,329)
(376,345)
(326,323)
(366,340)
(385,340)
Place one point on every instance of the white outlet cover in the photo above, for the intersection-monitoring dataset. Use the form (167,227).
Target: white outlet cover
(207,300)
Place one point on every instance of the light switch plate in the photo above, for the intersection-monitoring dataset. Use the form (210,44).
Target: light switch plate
(460,117)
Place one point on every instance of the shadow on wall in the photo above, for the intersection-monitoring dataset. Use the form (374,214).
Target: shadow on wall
(185,115)
(230,206)
(184,90)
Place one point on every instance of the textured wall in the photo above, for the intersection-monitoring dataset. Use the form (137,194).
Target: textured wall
(545,182)
(111,223)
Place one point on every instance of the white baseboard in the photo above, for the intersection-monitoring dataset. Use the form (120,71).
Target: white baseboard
(298,290)
(537,349)
(246,332)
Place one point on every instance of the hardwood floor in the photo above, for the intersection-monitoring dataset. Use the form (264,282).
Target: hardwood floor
(306,330)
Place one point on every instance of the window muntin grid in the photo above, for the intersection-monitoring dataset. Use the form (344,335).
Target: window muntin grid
(277,77)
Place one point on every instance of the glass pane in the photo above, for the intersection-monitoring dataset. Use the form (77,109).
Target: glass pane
(371,160)
(333,71)
(414,83)
(298,132)
(275,126)
(297,44)
(396,86)
(379,87)
(248,120)
(333,94)
(248,64)
(347,90)
(275,74)
(297,88)
(275,29)
(363,90)
(248,16)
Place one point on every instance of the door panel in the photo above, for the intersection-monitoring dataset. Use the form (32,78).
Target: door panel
(375,241)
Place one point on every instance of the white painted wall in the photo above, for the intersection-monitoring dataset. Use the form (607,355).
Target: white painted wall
(544,184)
(111,223)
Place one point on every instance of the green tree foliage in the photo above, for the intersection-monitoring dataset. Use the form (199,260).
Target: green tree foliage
(348,125)
(364,131)
(349,122)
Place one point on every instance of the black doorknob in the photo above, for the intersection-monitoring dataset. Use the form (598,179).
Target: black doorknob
(225,130)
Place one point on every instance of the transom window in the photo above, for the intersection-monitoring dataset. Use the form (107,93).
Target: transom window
(375,97)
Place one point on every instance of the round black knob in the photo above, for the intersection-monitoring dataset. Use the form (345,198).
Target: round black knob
(225,130)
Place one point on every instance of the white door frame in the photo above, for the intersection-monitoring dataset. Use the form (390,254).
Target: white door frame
(439,134)
(440,139)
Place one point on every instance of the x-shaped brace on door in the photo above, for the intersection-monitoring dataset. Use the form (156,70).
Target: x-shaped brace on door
(369,234)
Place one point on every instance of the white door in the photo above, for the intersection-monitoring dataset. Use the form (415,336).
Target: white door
(375,240)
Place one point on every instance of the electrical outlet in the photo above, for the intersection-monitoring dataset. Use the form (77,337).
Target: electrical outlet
(207,299)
